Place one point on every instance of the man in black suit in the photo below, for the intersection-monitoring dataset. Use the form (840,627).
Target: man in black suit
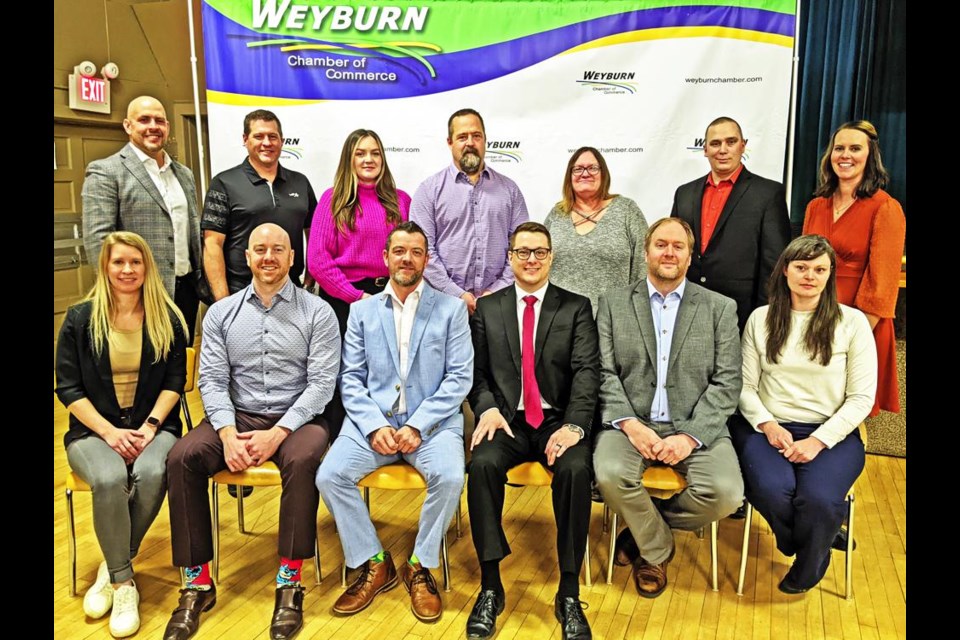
(535,386)
(740,222)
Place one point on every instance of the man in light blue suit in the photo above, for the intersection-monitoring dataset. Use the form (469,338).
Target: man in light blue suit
(407,367)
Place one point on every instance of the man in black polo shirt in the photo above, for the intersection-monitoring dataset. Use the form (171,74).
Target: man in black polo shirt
(240,199)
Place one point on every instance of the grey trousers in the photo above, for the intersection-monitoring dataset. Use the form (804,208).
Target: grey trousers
(714,491)
(126,500)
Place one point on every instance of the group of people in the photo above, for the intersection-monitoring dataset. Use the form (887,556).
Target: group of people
(595,344)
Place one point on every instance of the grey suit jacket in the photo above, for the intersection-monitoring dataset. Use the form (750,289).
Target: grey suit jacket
(118,195)
(703,370)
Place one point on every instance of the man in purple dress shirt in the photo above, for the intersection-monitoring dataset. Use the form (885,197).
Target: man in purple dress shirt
(468,212)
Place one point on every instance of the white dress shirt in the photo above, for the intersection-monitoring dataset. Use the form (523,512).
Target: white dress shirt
(404,314)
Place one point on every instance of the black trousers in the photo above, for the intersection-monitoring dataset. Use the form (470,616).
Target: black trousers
(185,297)
(572,475)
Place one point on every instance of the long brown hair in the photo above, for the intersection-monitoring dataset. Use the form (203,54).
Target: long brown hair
(818,337)
(875,176)
(566,205)
(157,303)
(345,202)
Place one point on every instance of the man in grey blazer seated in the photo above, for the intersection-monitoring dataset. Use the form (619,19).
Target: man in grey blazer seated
(141,189)
(407,367)
(669,379)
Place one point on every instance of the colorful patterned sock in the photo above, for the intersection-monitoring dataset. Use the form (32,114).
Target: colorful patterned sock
(378,558)
(413,559)
(289,573)
(198,577)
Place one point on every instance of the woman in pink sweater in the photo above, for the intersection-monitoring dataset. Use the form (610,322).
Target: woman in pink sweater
(351,224)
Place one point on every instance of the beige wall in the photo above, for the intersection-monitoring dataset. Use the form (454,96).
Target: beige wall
(149,41)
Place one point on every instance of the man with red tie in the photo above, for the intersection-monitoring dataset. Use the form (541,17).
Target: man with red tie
(535,386)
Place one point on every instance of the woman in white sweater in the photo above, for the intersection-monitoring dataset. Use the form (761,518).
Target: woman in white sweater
(809,379)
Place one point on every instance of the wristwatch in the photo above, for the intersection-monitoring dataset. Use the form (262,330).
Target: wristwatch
(153,422)
(573,427)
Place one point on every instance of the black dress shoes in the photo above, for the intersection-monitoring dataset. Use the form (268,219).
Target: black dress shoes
(232,490)
(840,541)
(186,617)
(789,588)
(573,623)
(287,612)
(483,619)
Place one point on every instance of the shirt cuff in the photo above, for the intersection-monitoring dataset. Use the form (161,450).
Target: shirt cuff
(222,418)
(618,423)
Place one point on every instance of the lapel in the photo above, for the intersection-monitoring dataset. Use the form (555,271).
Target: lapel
(146,364)
(685,315)
(739,188)
(548,311)
(508,312)
(696,209)
(134,166)
(641,305)
(385,311)
(428,299)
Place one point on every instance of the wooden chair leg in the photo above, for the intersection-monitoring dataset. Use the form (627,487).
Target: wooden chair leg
(459,516)
(714,530)
(71,544)
(613,545)
(215,499)
(745,547)
(240,523)
(343,574)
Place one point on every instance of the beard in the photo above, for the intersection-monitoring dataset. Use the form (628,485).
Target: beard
(470,161)
(407,281)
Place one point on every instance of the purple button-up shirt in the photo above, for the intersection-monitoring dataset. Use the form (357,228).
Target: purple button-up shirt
(468,229)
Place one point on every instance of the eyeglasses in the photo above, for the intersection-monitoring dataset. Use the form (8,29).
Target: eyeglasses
(524,253)
(592,170)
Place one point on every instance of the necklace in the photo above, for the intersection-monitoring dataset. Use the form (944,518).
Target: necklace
(588,217)
(839,211)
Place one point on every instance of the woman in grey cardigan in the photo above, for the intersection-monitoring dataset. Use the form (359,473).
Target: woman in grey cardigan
(597,235)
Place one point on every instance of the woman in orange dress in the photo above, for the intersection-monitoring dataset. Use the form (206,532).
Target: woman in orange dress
(866,228)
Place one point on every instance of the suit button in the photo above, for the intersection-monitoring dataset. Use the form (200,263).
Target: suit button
(389,414)
(170,263)
(703,278)
(170,238)
(397,387)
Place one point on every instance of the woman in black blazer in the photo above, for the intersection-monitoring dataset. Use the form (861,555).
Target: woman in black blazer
(121,367)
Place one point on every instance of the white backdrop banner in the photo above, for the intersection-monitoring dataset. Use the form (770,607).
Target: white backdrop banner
(638,80)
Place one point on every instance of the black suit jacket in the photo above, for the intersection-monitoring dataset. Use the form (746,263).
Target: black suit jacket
(566,352)
(82,374)
(753,229)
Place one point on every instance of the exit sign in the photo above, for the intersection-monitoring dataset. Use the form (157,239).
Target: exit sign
(89,93)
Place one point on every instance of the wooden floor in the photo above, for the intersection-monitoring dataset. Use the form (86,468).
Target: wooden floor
(688,608)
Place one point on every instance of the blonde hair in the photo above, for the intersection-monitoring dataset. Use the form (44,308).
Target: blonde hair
(157,303)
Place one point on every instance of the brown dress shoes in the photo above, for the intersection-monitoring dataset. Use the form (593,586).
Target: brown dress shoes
(287,612)
(186,617)
(374,577)
(626,549)
(651,579)
(424,596)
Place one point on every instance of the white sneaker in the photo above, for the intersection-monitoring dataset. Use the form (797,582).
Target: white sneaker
(99,598)
(125,618)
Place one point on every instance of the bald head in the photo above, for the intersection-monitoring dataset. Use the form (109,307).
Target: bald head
(146,125)
(269,256)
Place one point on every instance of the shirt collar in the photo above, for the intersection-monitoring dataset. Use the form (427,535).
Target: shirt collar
(142,157)
(256,178)
(286,292)
(652,290)
(539,293)
(732,179)
(455,172)
(389,292)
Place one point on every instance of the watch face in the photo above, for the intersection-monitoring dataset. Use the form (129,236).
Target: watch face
(152,421)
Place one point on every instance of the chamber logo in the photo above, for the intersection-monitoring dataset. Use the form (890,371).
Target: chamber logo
(291,149)
(697,147)
(609,82)
(503,151)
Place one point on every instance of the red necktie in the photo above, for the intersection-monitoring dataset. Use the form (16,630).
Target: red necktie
(531,392)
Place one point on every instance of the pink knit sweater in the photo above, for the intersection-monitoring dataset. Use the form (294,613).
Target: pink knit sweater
(336,259)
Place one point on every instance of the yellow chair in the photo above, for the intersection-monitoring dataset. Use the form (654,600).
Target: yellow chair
(395,477)
(266,475)
(663,482)
(75,483)
(535,474)
(848,561)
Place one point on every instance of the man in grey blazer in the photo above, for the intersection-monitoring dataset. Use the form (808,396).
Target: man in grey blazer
(669,379)
(142,189)
(407,367)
